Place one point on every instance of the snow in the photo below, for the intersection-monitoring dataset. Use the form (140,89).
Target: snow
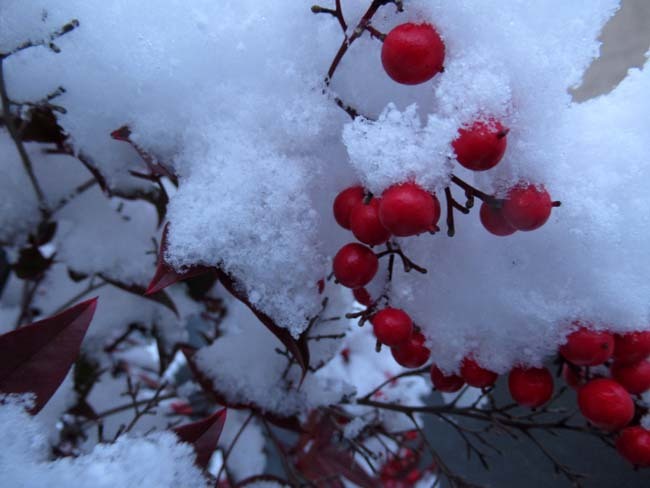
(157,460)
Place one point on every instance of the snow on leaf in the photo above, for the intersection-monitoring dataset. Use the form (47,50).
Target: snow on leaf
(37,357)
(203,435)
(297,347)
(165,275)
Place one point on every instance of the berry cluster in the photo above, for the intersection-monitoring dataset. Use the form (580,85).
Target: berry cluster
(413,54)
(402,210)
(606,402)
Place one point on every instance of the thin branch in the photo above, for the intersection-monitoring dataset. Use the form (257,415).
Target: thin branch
(20,147)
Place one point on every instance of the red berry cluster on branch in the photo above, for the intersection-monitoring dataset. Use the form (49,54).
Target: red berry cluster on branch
(606,402)
(402,210)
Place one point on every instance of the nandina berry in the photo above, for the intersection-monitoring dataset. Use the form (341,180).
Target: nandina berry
(355,265)
(481,146)
(413,53)
(606,404)
(476,376)
(362,296)
(345,202)
(445,383)
(586,347)
(413,353)
(392,326)
(573,376)
(530,387)
(365,224)
(527,207)
(632,347)
(494,222)
(635,378)
(634,445)
(407,210)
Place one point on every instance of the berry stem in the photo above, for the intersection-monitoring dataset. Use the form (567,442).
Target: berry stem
(406,262)
(473,192)
(453,204)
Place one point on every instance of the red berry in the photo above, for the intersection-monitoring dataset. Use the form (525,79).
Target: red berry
(573,376)
(445,383)
(494,222)
(632,347)
(476,376)
(527,207)
(362,296)
(345,202)
(530,387)
(355,265)
(635,378)
(413,53)
(634,445)
(413,353)
(392,326)
(407,210)
(606,404)
(365,224)
(481,146)
(586,347)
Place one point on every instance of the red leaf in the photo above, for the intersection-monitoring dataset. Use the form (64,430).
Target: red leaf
(37,357)
(203,435)
(157,169)
(165,274)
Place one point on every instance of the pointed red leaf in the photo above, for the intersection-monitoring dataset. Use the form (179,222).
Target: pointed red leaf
(203,435)
(165,274)
(157,169)
(37,357)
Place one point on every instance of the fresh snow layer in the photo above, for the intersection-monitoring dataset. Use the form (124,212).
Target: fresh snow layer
(155,461)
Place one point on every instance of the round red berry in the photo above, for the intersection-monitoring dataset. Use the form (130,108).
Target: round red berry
(362,296)
(445,383)
(413,53)
(476,376)
(355,265)
(586,347)
(634,445)
(481,146)
(392,326)
(530,387)
(413,353)
(635,378)
(365,224)
(527,207)
(494,222)
(606,404)
(345,202)
(407,210)
(632,347)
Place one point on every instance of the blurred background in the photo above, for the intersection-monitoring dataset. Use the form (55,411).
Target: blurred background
(626,40)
